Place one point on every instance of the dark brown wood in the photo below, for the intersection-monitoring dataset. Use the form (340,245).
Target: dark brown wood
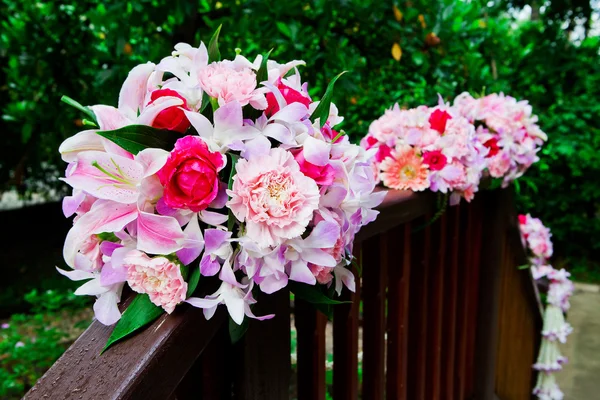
(134,368)
(493,248)
(375,265)
(398,207)
(398,309)
(449,369)
(345,340)
(310,326)
(435,309)
(419,299)
(264,365)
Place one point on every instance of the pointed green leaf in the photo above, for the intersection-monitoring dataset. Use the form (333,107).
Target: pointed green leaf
(263,73)
(213,47)
(524,266)
(312,294)
(138,314)
(135,138)
(193,280)
(236,332)
(322,110)
(77,105)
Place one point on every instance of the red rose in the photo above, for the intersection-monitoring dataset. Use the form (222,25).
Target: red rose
(438,120)
(290,95)
(383,152)
(492,144)
(172,118)
(190,176)
(435,159)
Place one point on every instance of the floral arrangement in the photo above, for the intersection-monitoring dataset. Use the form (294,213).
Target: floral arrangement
(225,169)
(423,148)
(536,237)
(507,128)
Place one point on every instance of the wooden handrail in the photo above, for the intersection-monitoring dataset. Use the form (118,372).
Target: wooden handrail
(148,365)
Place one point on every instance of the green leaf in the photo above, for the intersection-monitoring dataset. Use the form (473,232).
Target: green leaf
(236,332)
(322,110)
(524,266)
(193,280)
(135,138)
(213,47)
(77,105)
(108,236)
(284,28)
(312,294)
(263,73)
(140,313)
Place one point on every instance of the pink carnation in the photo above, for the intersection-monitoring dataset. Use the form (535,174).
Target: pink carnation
(273,197)
(223,81)
(158,277)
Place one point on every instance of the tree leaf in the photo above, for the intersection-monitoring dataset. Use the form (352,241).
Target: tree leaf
(213,47)
(193,280)
(311,294)
(138,314)
(322,110)
(135,138)
(236,332)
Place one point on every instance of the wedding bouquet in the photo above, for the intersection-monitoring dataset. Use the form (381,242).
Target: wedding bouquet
(508,129)
(225,169)
(427,148)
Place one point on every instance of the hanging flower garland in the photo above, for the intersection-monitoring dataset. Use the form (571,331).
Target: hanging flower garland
(220,169)
(537,238)
(508,129)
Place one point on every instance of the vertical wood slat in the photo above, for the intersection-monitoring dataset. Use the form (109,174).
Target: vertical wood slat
(398,311)
(375,263)
(263,365)
(310,326)
(435,310)
(345,340)
(450,310)
(420,260)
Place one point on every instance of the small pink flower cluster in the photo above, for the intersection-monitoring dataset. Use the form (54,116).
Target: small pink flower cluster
(536,238)
(427,148)
(507,128)
(255,189)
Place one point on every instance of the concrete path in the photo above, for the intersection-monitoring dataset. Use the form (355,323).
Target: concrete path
(580,378)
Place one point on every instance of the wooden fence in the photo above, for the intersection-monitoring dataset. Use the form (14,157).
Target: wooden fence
(445,314)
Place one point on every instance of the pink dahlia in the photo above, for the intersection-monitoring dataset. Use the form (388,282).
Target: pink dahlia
(158,277)
(404,170)
(273,197)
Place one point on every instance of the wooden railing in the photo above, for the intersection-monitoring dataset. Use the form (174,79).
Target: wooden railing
(446,314)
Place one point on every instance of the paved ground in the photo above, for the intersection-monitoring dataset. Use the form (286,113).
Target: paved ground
(580,378)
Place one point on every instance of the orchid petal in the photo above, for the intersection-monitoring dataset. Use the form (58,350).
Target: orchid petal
(291,113)
(209,266)
(106,310)
(91,288)
(193,244)
(273,283)
(200,123)
(213,218)
(316,151)
(76,275)
(202,303)
(70,204)
(214,238)
(300,272)
(229,116)
(323,236)
(318,257)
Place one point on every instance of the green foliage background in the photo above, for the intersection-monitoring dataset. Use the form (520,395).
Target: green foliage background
(85,48)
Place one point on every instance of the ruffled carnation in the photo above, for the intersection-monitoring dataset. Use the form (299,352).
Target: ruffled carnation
(226,82)
(273,197)
(157,277)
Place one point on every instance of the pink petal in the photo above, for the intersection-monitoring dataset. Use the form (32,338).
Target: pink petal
(158,234)
(152,160)
(149,114)
(83,141)
(110,118)
(300,272)
(105,308)
(323,236)
(316,151)
(229,116)
(133,92)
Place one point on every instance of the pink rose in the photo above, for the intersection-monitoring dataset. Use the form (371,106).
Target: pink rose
(290,95)
(438,119)
(323,175)
(273,197)
(158,277)
(191,175)
(172,118)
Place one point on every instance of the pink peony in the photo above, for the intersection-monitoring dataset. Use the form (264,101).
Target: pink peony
(499,165)
(323,175)
(190,176)
(227,83)
(404,170)
(158,277)
(322,274)
(172,118)
(290,95)
(273,197)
